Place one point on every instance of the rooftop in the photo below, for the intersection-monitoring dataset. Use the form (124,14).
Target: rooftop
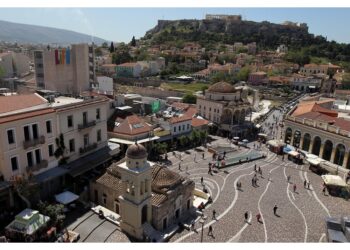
(17,103)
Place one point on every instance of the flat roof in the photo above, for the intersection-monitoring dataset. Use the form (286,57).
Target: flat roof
(63,100)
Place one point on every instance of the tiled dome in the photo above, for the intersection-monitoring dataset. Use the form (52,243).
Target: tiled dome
(222,87)
(136,151)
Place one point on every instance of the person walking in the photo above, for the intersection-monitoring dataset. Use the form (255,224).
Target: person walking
(202,180)
(258,217)
(305,183)
(203,155)
(294,188)
(255,167)
(180,166)
(275,210)
(253,182)
(214,215)
(288,178)
(324,190)
(209,170)
(246,215)
(308,185)
(210,231)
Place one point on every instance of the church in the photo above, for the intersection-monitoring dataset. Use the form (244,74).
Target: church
(143,194)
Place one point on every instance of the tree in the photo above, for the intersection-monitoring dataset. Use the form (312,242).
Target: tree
(189,98)
(111,48)
(203,134)
(195,137)
(54,211)
(133,42)
(183,140)
(104,45)
(243,74)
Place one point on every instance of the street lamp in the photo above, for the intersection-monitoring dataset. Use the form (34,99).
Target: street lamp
(202,221)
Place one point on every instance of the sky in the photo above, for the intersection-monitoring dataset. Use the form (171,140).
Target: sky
(120,24)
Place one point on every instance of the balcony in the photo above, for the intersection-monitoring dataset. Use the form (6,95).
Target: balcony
(34,142)
(88,148)
(37,167)
(86,125)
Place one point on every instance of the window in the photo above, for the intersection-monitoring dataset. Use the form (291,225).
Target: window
(188,126)
(174,129)
(99,135)
(71,145)
(85,118)
(26,133)
(48,127)
(70,121)
(30,159)
(86,140)
(35,131)
(97,114)
(37,156)
(183,127)
(14,163)
(11,136)
(179,128)
(51,150)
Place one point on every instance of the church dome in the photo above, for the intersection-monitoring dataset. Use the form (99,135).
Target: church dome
(136,151)
(222,87)
(163,178)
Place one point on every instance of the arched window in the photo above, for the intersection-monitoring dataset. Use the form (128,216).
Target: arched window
(327,150)
(339,154)
(306,142)
(316,146)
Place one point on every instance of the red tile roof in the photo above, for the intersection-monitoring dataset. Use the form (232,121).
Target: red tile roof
(191,111)
(307,107)
(132,125)
(182,118)
(196,122)
(18,102)
(335,121)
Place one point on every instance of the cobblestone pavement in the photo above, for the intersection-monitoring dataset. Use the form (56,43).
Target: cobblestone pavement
(301,214)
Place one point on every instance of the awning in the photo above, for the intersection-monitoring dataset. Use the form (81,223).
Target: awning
(275,143)
(51,174)
(312,87)
(236,138)
(127,142)
(334,180)
(66,197)
(293,153)
(262,135)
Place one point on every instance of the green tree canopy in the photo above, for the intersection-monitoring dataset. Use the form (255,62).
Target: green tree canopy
(189,98)
(133,42)
(243,74)
(111,48)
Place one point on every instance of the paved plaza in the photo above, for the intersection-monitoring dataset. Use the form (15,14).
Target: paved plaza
(300,215)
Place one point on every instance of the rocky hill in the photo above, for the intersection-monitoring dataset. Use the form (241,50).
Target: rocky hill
(227,31)
(24,33)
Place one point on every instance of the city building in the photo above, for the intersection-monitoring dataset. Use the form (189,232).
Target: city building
(307,83)
(313,69)
(315,128)
(257,77)
(14,64)
(282,49)
(128,70)
(68,70)
(227,106)
(108,69)
(147,197)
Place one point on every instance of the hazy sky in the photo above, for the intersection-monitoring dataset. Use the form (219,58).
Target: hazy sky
(120,24)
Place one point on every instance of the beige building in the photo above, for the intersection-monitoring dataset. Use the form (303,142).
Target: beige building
(314,128)
(227,106)
(67,70)
(147,197)
(14,64)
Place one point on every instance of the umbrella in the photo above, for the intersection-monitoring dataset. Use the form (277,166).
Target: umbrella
(236,138)
(245,140)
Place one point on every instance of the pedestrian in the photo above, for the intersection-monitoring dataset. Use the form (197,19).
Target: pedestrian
(214,214)
(294,188)
(224,154)
(275,210)
(253,182)
(308,185)
(259,170)
(192,227)
(246,216)
(179,166)
(255,167)
(202,180)
(210,231)
(258,217)
(305,183)
(324,190)
(203,155)
(288,178)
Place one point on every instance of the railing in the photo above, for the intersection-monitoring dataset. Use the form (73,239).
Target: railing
(34,142)
(37,167)
(87,148)
(86,125)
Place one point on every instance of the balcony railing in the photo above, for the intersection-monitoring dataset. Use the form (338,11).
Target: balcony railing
(34,142)
(88,148)
(86,125)
(37,167)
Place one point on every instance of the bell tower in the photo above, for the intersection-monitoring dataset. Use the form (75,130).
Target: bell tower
(135,200)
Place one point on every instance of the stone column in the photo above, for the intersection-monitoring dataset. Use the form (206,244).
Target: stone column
(311,145)
(321,150)
(333,155)
(301,142)
(346,157)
